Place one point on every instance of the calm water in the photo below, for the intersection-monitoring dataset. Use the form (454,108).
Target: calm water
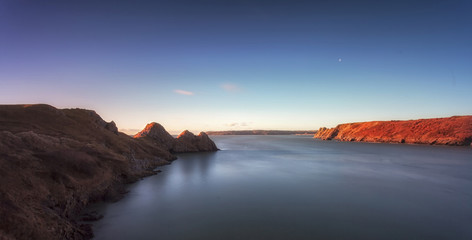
(295,187)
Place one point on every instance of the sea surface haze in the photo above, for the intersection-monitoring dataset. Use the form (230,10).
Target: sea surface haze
(296,187)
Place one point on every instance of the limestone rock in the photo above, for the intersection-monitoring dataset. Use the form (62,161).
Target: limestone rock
(185,142)
(111,126)
(158,133)
(204,143)
(188,142)
(53,162)
(455,130)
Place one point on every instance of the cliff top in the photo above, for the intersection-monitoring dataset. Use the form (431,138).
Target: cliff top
(456,130)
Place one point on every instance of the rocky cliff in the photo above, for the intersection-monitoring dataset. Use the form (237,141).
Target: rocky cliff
(185,142)
(156,134)
(53,162)
(455,130)
(188,142)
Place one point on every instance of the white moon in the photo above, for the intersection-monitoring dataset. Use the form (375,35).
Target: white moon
(340,60)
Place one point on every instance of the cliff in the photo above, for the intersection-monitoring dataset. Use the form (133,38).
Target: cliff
(188,142)
(53,162)
(157,134)
(185,142)
(261,132)
(455,130)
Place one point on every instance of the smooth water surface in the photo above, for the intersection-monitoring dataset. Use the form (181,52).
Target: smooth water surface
(295,187)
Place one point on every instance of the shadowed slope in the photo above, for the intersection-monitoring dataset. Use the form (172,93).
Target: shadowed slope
(54,162)
(188,142)
(185,142)
(158,134)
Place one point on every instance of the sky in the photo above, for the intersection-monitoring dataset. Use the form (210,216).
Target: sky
(234,65)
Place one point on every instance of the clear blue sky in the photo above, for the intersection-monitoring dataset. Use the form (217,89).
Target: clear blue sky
(216,65)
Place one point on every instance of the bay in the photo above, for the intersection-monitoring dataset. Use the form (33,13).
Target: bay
(297,187)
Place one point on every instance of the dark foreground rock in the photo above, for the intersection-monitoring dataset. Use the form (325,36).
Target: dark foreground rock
(54,162)
(455,130)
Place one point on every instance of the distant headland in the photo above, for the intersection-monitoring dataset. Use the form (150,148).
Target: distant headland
(456,130)
(262,132)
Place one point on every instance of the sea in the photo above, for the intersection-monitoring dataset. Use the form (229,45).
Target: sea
(297,187)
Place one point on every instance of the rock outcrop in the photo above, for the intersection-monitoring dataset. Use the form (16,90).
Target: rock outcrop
(185,142)
(158,134)
(204,143)
(455,130)
(53,162)
(188,142)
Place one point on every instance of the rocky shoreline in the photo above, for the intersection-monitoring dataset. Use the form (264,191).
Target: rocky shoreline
(456,131)
(55,162)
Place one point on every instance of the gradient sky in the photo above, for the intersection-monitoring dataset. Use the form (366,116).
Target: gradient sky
(218,65)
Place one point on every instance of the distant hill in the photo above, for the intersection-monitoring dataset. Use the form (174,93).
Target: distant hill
(455,130)
(262,132)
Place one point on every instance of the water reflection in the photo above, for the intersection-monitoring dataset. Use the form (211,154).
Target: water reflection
(197,164)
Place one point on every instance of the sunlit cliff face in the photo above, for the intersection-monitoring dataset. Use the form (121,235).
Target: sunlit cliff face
(444,131)
(184,133)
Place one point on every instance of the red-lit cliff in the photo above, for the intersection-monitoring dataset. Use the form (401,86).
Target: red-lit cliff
(455,130)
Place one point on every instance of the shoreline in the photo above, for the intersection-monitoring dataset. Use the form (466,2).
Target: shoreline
(56,162)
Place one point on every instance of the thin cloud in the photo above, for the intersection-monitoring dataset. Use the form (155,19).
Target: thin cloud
(239,124)
(230,87)
(183,92)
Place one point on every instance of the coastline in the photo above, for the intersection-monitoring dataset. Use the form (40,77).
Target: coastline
(55,162)
(262,132)
(451,131)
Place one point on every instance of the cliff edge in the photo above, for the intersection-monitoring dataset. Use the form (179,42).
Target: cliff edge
(455,130)
(54,162)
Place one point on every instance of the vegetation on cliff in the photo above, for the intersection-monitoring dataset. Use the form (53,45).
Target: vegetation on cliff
(53,162)
(455,130)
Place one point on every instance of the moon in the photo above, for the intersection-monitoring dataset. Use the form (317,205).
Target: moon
(340,59)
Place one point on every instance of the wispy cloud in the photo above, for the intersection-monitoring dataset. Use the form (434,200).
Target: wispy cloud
(239,124)
(230,87)
(183,92)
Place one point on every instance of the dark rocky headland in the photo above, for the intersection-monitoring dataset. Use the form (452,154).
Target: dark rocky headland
(54,162)
(455,131)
